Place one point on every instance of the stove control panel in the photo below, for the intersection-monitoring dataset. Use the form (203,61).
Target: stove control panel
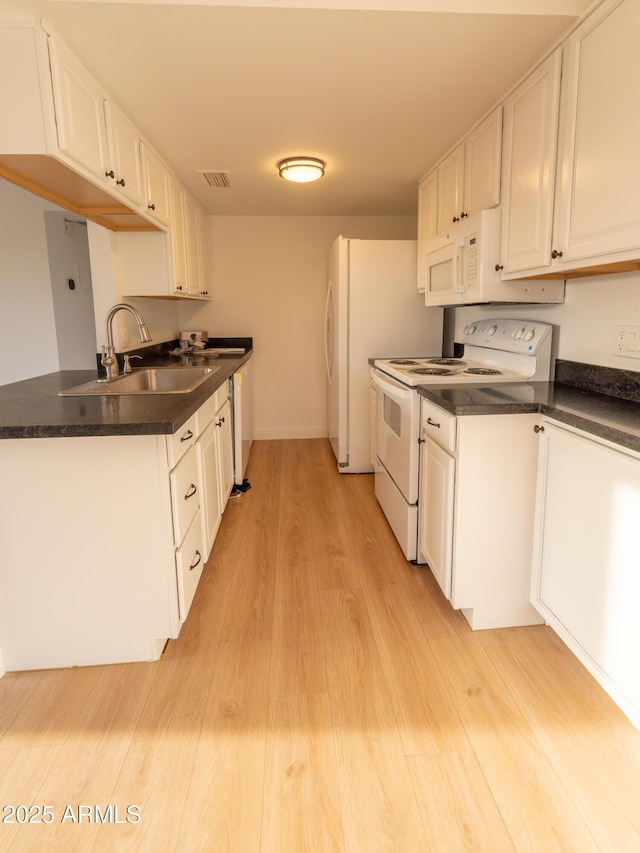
(523,336)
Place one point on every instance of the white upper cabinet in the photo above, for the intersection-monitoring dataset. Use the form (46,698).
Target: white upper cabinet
(450,189)
(92,132)
(155,176)
(469,177)
(80,116)
(576,211)
(123,146)
(483,157)
(427,221)
(529,158)
(598,189)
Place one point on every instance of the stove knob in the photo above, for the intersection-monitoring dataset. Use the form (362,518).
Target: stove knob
(528,336)
(471,330)
(493,330)
(518,334)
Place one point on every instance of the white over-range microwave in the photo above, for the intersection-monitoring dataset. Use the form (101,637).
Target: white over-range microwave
(461,262)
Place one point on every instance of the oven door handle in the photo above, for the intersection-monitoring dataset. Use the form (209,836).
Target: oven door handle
(394,389)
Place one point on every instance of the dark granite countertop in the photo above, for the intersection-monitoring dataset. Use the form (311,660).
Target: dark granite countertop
(609,417)
(33,409)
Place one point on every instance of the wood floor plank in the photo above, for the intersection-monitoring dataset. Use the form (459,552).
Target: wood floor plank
(224,798)
(298,664)
(329,523)
(457,805)
(52,708)
(87,764)
(538,811)
(302,804)
(158,765)
(379,809)
(579,728)
(247,570)
(22,773)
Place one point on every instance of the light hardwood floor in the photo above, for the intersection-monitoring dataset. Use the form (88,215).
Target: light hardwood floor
(323,696)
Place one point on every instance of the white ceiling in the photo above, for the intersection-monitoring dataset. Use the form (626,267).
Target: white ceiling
(377,89)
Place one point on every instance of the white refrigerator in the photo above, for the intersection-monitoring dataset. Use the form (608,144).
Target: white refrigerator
(373,310)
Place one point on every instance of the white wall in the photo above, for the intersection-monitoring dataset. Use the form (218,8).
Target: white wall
(586,321)
(28,345)
(269,282)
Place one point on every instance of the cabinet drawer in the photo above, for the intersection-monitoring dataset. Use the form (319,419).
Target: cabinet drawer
(438,425)
(189,566)
(185,495)
(181,441)
(208,410)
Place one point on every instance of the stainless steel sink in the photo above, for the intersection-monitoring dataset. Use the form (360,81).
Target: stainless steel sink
(145,380)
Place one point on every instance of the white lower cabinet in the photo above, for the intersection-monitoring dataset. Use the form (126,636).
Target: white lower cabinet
(476,509)
(437,477)
(215,463)
(189,565)
(586,572)
(102,540)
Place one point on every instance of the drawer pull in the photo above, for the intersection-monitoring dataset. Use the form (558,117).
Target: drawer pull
(197,562)
(188,434)
(433,423)
(191,492)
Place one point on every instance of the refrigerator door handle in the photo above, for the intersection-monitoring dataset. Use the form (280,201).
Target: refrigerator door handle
(329,332)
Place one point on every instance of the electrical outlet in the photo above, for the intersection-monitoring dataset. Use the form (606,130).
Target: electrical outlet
(627,343)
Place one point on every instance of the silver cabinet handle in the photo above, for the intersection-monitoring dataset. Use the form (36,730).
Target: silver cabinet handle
(433,423)
(197,562)
(191,492)
(188,434)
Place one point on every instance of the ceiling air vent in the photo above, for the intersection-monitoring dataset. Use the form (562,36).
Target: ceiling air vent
(216,178)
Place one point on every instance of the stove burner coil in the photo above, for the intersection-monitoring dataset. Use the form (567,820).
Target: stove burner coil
(433,371)
(483,371)
(402,361)
(448,361)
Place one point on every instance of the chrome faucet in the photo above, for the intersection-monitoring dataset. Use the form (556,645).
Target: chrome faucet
(109,358)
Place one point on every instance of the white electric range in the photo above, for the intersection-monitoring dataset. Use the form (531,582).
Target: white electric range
(499,350)
(495,350)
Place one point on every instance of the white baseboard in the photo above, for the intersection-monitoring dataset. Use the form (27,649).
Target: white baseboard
(288,432)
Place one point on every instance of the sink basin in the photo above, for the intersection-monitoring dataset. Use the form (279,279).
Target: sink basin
(145,380)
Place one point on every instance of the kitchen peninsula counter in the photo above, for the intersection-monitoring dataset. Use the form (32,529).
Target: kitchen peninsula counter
(32,408)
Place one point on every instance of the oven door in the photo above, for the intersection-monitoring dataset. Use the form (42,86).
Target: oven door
(397,433)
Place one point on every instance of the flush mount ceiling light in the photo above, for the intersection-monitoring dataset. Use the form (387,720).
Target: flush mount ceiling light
(301,170)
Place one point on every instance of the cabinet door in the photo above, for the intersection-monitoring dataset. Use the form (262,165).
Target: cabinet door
(225,451)
(483,159)
(598,211)
(450,188)
(585,577)
(427,221)
(178,238)
(79,106)
(156,185)
(191,244)
(189,565)
(530,143)
(204,247)
(437,483)
(210,509)
(123,145)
